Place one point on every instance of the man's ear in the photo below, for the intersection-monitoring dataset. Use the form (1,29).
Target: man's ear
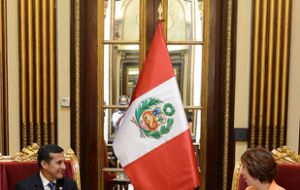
(44,164)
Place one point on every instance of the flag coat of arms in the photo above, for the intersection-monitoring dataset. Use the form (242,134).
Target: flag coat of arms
(153,143)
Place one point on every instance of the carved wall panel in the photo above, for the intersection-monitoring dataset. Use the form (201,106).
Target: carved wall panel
(269,71)
(37,71)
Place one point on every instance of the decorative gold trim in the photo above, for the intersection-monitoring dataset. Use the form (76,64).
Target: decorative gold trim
(38,61)
(30,70)
(273,60)
(236,175)
(38,70)
(284,154)
(52,62)
(77,76)
(23,72)
(277,76)
(262,71)
(70,155)
(45,71)
(204,92)
(2,83)
(285,60)
(228,59)
(270,74)
(6,145)
(254,71)
(27,153)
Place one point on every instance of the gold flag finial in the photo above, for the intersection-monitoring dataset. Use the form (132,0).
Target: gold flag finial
(160,11)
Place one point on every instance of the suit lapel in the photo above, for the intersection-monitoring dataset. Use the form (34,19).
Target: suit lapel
(37,183)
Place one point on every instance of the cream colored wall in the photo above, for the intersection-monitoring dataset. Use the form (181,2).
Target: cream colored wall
(293,122)
(13,76)
(63,66)
(241,107)
(63,78)
(243,69)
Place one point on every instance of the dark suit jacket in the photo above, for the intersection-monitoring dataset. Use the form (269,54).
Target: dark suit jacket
(35,183)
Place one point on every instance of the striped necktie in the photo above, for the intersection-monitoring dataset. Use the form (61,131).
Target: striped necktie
(51,185)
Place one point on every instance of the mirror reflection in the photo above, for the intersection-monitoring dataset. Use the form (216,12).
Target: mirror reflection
(122,55)
(122,52)
(122,20)
(122,70)
(185,20)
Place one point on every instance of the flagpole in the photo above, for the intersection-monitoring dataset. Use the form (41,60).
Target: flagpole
(161,16)
(160,12)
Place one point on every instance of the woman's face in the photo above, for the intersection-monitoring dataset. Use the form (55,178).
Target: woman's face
(247,177)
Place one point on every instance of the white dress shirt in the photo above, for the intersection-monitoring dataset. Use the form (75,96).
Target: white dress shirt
(45,181)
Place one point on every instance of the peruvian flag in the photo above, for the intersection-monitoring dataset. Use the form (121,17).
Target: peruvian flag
(154,143)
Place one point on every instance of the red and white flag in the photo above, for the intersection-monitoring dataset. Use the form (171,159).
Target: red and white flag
(153,143)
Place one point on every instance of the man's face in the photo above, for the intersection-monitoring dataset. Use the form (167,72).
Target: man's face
(55,168)
(123,101)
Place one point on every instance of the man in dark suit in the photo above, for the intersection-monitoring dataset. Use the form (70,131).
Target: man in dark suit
(51,174)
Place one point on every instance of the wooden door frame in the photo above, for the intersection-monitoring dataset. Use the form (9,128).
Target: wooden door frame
(217,143)
(84,95)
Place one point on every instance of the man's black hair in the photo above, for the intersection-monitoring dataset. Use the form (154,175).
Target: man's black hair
(45,151)
(189,116)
